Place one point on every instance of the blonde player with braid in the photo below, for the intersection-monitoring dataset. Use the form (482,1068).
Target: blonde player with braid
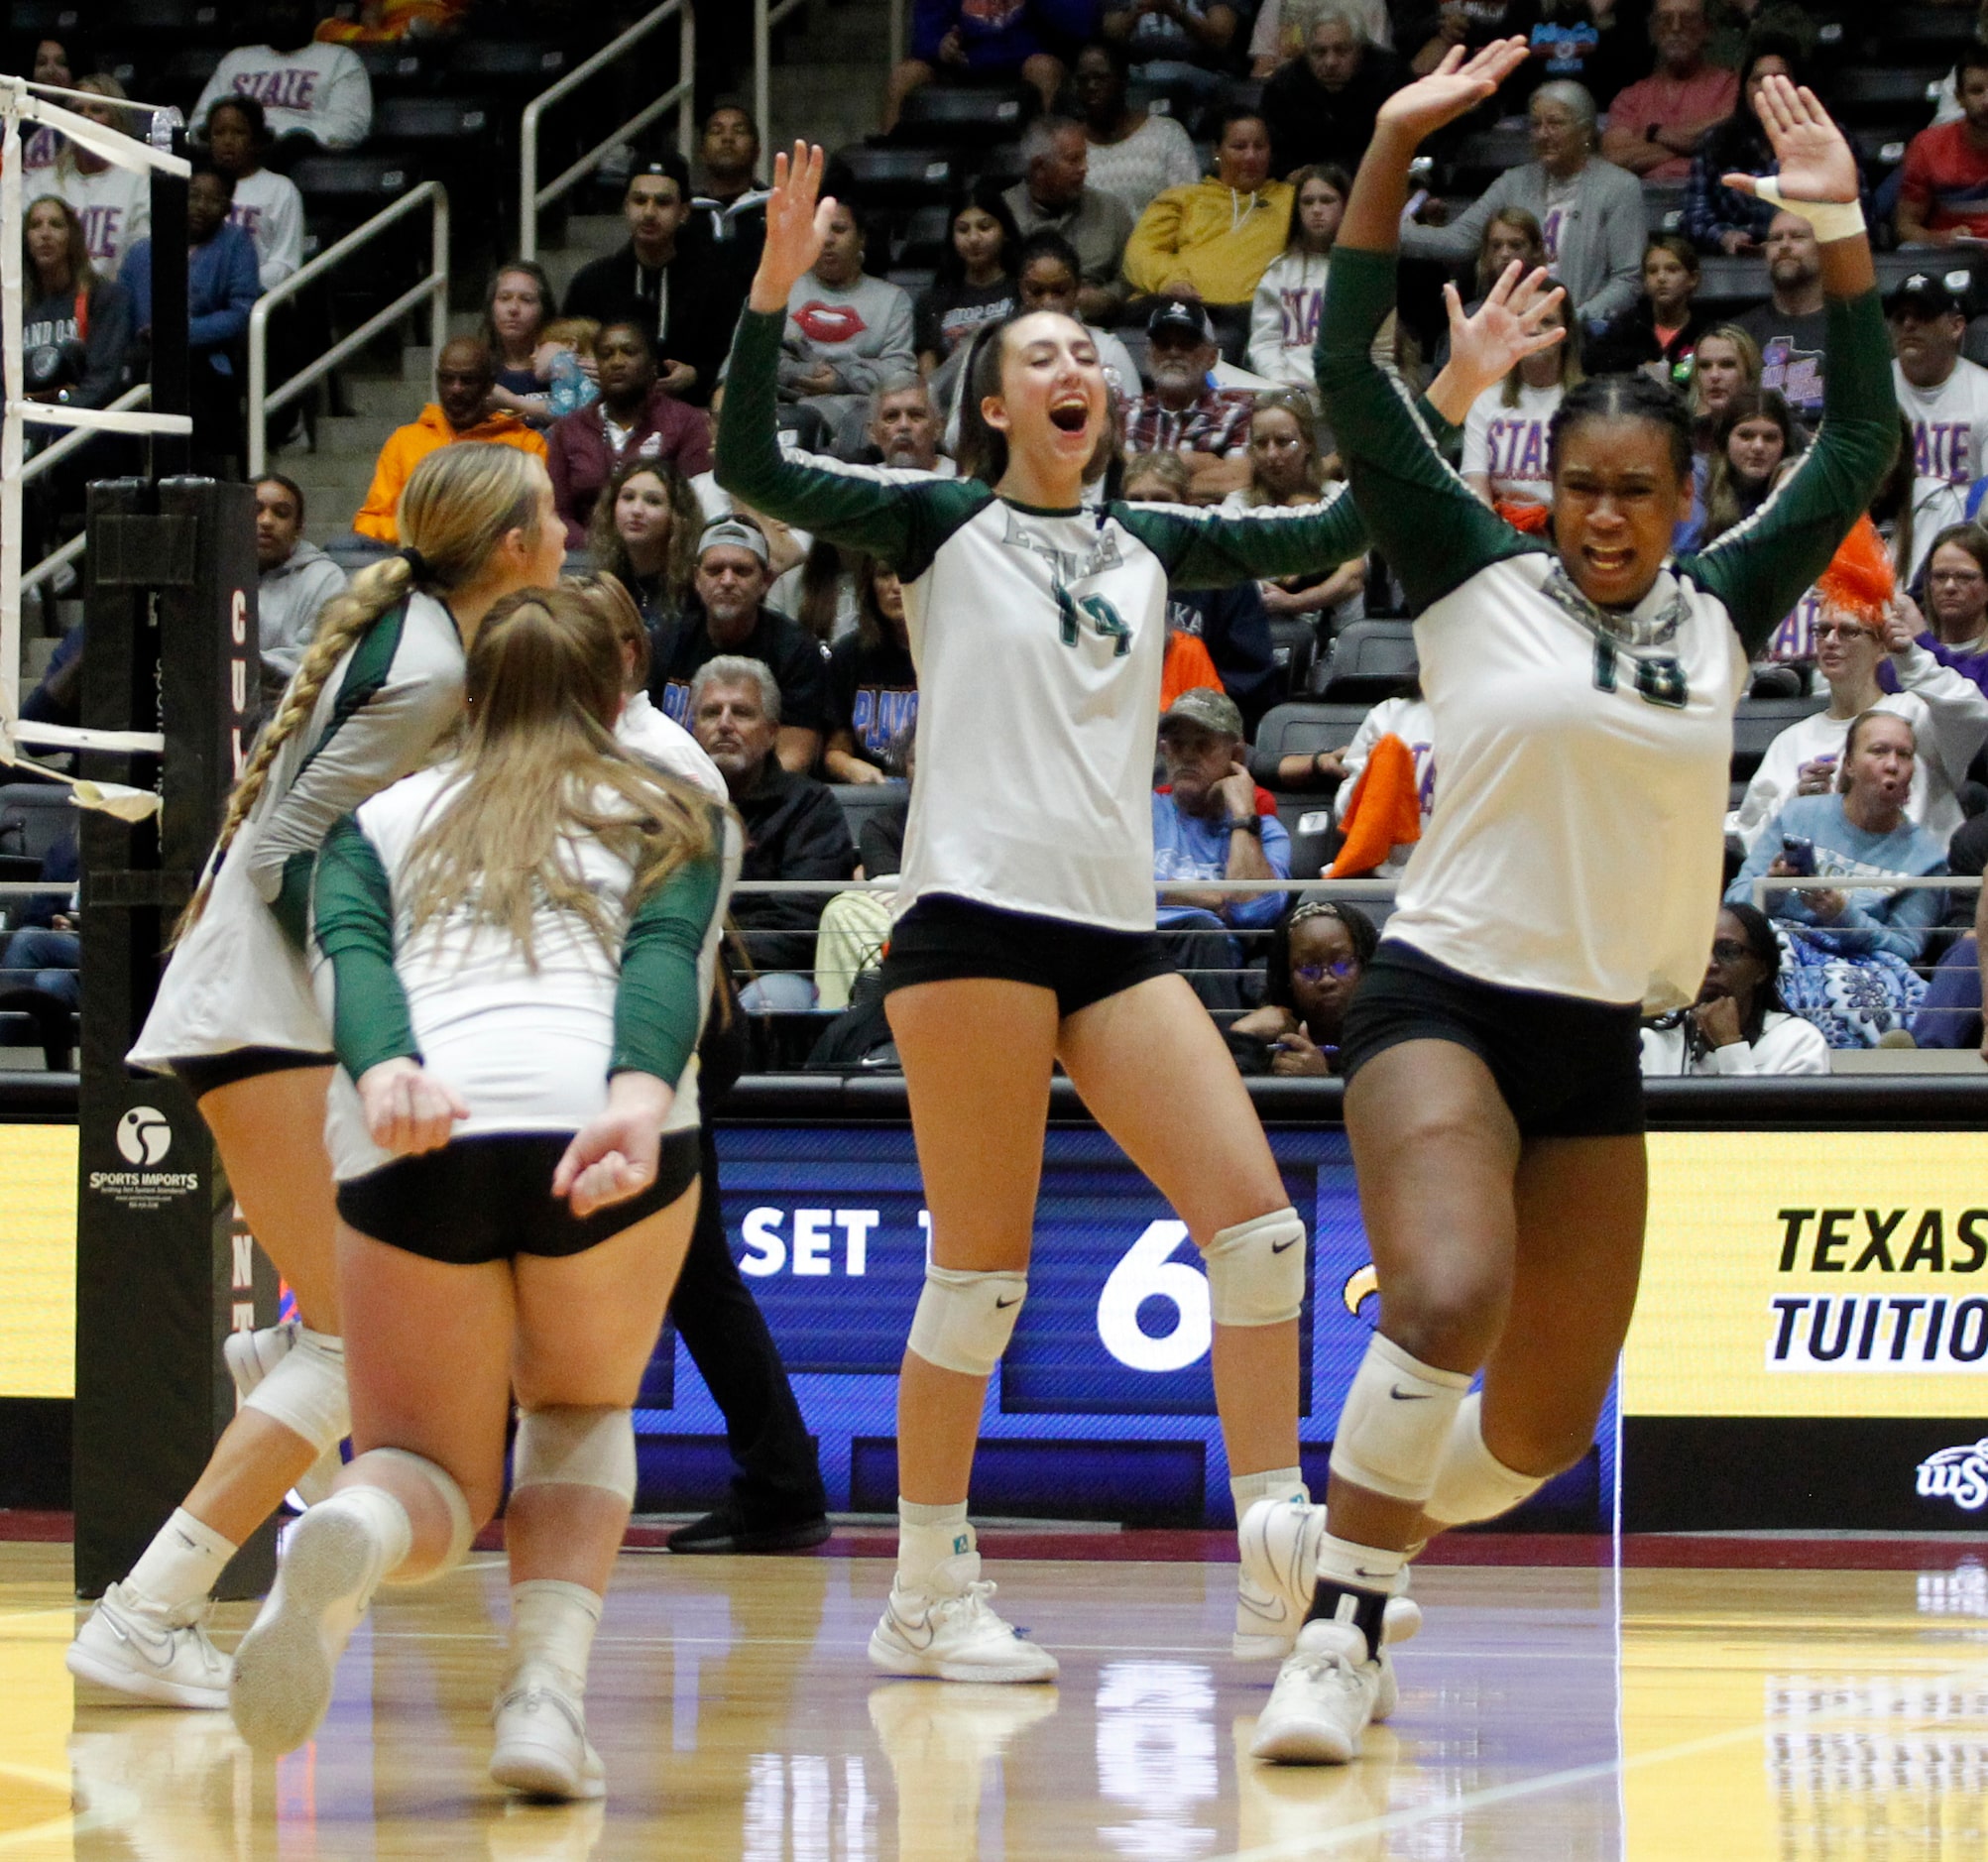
(236,1020)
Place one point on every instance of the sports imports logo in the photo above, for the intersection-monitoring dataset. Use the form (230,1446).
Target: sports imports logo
(144,1136)
(1959,1474)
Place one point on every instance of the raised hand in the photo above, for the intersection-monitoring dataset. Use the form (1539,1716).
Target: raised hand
(1487,346)
(1816,162)
(797,219)
(1453,89)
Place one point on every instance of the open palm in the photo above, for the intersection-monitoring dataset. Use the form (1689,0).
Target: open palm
(1453,89)
(1815,161)
(797,221)
(1507,327)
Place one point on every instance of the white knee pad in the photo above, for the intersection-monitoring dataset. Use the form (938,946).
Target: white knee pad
(1256,1271)
(965,1320)
(581,1448)
(1472,1483)
(462,1529)
(1396,1422)
(306,1392)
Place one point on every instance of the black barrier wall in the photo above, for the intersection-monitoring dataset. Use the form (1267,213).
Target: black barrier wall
(164,1269)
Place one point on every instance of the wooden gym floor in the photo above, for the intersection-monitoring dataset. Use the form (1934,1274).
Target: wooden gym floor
(1552,1712)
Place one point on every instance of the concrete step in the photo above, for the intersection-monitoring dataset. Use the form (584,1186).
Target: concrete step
(358,436)
(389,398)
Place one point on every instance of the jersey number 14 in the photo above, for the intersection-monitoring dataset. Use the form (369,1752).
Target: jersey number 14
(1073,610)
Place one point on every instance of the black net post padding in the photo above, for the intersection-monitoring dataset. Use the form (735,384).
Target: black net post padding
(171,364)
(165,1268)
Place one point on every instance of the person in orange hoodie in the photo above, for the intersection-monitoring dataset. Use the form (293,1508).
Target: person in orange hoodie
(464,376)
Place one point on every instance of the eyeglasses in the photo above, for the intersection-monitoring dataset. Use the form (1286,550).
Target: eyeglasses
(1731,950)
(1341,967)
(1843,631)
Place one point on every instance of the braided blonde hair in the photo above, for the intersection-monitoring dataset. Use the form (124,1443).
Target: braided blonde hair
(455,508)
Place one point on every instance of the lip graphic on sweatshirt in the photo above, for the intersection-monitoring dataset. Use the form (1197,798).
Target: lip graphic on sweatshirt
(828,322)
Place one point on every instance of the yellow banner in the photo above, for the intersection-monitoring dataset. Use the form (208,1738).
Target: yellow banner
(1812,1273)
(38,1260)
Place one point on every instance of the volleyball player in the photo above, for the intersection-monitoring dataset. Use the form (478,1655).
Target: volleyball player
(1583,686)
(1026,930)
(235,1019)
(520,943)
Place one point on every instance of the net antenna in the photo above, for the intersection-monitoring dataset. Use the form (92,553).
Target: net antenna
(23,101)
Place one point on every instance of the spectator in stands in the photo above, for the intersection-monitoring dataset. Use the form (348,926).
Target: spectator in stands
(1850,945)
(974,279)
(1278,35)
(1132,154)
(1660,332)
(1943,188)
(1726,359)
(1510,235)
(856,925)
(1739,1026)
(1790,327)
(569,350)
(1752,441)
(1506,432)
(1284,315)
(113,203)
(1215,240)
(388,22)
(656,282)
(905,427)
(516,313)
(315,96)
(1655,126)
(1285,469)
(872,686)
(1428,30)
(952,41)
(76,328)
(266,205)
(729,618)
(1318,951)
(1319,108)
(1054,195)
(1181,45)
(643,532)
(1185,411)
(1049,276)
(44,940)
(1585,42)
(731,206)
(1740,25)
(55,61)
(1942,392)
(1408,718)
(221,290)
(1161,478)
(465,373)
(294,579)
(1956,601)
(1590,211)
(794,830)
(1718,218)
(633,417)
(1212,824)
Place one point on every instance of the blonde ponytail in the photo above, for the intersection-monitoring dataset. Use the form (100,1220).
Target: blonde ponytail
(458,504)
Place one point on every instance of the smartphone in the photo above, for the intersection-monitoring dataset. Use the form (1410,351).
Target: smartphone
(1799,856)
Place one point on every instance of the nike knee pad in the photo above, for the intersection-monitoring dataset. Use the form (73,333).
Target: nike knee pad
(965,1320)
(305,1391)
(1472,1483)
(582,1447)
(1256,1271)
(1396,1423)
(462,1528)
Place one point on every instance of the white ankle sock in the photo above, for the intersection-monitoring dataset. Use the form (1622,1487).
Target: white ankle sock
(927,1535)
(1273,1484)
(552,1623)
(386,1519)
(181,1566)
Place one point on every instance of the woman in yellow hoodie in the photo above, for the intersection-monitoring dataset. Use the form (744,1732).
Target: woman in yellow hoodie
(1214,240)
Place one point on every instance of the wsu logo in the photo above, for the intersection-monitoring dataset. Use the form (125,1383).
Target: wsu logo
(1959,1474)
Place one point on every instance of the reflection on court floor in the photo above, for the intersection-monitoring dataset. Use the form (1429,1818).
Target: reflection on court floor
(1547,1715)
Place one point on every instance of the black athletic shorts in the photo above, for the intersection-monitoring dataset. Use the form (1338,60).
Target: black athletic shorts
(942,939)
(201,1074)
(489,1198)
(1567,1067)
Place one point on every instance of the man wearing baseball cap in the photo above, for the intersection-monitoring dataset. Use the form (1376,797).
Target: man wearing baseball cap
(1184,413)
(727,617)
(1212,823)
(1942,392)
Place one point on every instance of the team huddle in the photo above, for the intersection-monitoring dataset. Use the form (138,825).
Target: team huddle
(440,997)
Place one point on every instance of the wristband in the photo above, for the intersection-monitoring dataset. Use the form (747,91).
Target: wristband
(1249,824)
(1830,221)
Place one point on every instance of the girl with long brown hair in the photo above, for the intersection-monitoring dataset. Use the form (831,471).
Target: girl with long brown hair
(236,1020)
(521,942)
(643,532)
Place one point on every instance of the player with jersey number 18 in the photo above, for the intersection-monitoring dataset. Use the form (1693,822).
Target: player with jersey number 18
(1024,933)
(1583,685)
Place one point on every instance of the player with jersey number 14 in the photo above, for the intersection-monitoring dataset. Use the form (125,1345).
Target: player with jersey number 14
(1024,933)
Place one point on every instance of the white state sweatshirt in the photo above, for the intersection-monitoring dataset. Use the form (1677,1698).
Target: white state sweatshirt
(320,91)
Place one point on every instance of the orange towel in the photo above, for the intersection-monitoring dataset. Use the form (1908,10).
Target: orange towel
(1385,812)
(1532,519)
(1187,665)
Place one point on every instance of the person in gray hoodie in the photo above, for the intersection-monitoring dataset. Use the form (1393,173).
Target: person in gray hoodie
(297,579)
(1591,211)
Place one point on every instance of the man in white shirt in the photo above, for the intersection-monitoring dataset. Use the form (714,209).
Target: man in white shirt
(1942,395)
(320,93)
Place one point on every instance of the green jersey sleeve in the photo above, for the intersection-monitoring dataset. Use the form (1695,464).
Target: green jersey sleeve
(1761,568)
(1432,529)
(659,1005)
(355,930)
(903,521)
